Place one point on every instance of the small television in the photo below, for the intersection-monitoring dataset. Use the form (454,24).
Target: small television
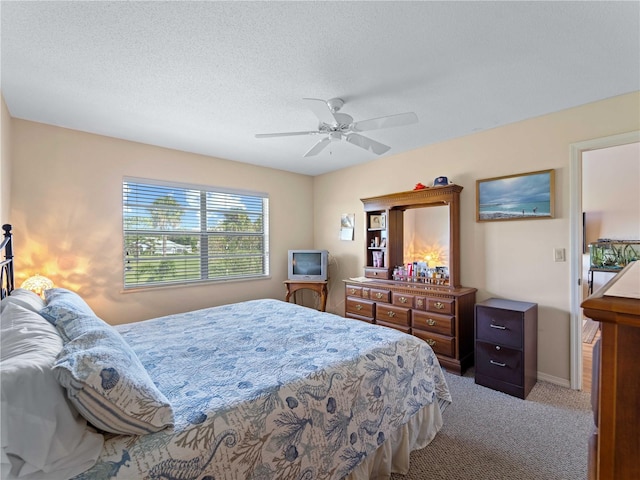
(308,265)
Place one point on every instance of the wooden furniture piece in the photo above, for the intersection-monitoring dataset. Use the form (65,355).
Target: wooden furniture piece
(319,287)
(441,312)
(507,346)
(615,447)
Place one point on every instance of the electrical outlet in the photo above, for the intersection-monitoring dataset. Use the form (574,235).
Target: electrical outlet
(558,254)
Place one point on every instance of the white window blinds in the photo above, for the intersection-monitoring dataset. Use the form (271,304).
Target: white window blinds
(183,234)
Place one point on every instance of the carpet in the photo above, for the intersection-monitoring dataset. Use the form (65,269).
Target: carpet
(489,435)
(589,330)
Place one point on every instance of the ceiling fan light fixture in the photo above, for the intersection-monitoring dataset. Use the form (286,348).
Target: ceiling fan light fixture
(340,126)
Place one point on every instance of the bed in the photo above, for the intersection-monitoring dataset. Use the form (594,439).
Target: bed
(261,389)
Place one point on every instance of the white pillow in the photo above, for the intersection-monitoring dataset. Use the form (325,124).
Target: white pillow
(24,298)
(42,435)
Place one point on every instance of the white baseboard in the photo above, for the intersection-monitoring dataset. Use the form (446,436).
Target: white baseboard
(563,382)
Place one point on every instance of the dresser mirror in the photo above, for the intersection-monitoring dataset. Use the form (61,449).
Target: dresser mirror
(426,235)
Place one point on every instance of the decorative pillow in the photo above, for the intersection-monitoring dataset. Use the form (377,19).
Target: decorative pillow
(43,435)
(60,301)
(24,298)
(105,380)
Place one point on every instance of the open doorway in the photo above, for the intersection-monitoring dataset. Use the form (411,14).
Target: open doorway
(604,181)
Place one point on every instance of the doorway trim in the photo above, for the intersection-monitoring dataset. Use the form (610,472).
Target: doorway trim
(575,220)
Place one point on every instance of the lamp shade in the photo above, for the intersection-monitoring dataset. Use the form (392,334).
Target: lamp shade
(37,284)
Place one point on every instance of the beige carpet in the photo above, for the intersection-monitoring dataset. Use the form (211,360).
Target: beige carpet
(494,436)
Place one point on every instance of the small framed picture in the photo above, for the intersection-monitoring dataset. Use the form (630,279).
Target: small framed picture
(377,221)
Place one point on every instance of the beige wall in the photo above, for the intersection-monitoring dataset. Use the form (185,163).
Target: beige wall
(610,200)
(5,163)
(67,214)
(503,259)
(66,208)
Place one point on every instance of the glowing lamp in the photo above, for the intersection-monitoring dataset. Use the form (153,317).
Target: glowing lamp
(37,284)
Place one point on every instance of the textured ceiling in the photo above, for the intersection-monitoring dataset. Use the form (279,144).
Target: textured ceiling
(205,77)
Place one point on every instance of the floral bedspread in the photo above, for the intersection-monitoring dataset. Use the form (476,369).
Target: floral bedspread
(265,389)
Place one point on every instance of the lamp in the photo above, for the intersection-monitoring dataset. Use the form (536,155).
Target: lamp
(37,284)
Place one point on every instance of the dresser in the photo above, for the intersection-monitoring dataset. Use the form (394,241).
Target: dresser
(506,355)
(614,447)
(441,316)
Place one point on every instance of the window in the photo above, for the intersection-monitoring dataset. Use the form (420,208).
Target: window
(177,234)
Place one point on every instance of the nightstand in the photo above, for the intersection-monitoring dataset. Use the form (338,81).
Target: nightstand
(506,355)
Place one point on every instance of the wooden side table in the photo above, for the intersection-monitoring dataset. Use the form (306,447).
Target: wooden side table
(319,287)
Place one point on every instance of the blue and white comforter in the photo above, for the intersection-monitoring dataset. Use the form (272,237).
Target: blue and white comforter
(266,389)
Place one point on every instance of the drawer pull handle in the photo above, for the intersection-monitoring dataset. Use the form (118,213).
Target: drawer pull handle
(499,327)
(391,314)
(403,300)
(431,322)
(358,307)
(353,290)
(419,303)
(497,364)
(375,273)
(378,295)
(431,342)
(439,305)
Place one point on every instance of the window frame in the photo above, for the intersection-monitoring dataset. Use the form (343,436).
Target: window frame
(204,232)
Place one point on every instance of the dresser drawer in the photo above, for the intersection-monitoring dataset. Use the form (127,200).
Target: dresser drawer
(361,308)
(392,314)
(380,273)
(353,291)
(499,326)
(420,303)
(402,300)
(402,328)
(500,363)
(440,344)
(441,305)
(380,295)
(433,322)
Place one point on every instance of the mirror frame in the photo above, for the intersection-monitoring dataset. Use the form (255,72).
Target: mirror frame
(446,195)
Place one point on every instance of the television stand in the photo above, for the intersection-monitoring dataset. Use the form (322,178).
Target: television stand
(319,287)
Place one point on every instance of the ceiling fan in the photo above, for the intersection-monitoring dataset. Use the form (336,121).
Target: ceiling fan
(338,126)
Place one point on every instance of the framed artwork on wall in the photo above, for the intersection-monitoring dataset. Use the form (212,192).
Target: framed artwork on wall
(525,196)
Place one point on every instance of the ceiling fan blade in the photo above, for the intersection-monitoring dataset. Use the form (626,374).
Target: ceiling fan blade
(366,143)
(385,122)
(318,147)
(285,134)
(321,110)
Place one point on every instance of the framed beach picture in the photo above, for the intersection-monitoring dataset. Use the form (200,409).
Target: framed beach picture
(526,196)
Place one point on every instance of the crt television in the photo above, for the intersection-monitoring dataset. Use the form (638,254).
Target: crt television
(309,265)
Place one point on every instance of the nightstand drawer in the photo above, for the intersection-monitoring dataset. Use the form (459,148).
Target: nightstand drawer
(495,325)
(392,314)
(362,308)
(500,363)
(432,322)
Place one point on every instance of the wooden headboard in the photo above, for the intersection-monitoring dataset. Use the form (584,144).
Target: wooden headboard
(6,263)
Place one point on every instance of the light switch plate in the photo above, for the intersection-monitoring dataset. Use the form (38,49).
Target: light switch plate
(558,254)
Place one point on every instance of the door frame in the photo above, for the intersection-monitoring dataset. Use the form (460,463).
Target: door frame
(575,219)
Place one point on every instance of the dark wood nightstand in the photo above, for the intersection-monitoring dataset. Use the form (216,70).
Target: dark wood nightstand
(506,354)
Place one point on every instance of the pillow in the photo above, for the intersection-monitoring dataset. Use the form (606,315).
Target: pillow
(60,300)
(105,380)
(24,298)
(43,435)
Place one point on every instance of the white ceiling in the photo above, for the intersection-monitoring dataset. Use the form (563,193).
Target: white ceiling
(205,77)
